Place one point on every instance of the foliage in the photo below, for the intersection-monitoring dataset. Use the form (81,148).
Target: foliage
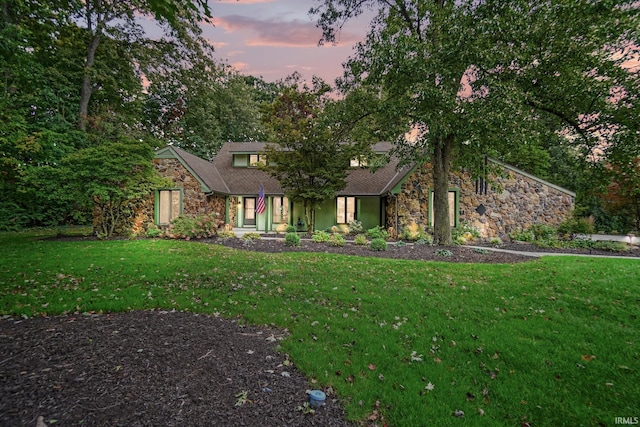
(444,253)
(412,232)
(192,227)
(522,235)
(495,241)
(378,244)
(622,195)
(226,234)
(472,78)
(251,236)
(377,232)
(426,239)
(154,231)
(307,158)
(114,176)
(360,240)
(465,232)
(572,226)
(367,324)
(320,236)
(292,239)
(337,239)
(355,227)
(290,229)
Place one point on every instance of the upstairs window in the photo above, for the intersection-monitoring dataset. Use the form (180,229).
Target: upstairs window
(345,209)
(256,160)
(359,162)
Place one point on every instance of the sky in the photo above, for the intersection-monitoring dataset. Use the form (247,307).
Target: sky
(273,39)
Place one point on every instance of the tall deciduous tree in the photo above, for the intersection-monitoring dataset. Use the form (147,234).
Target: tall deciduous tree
(308,158)
(474,76)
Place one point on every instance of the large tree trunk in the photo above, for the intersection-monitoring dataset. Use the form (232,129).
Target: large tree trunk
(86,90)
(441,163)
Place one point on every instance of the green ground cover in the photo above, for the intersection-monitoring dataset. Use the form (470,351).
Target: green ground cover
(551,342)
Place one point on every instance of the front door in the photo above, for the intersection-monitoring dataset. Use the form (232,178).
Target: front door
(249,211)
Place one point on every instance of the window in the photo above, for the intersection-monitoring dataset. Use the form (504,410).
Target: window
(345,209)
(169,205)
(358,162)
(280,210)
(256,160)
(453,206)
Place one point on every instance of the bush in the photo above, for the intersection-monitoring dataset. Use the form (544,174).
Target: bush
(543,232)
(290,229)
(355,227)
(227,234)
(522,236)
(320,236)
(495,241)
(337,239)
(444,253)
(189,227)
(573,226)
(154,231)
(378,244)
(426,239)
(401,243)
(360,240)
(292,239)
(377,233)
(251,236)
(465,230)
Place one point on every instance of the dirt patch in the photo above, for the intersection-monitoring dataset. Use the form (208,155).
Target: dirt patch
(150,369)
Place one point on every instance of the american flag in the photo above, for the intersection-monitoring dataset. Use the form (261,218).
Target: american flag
(260,207)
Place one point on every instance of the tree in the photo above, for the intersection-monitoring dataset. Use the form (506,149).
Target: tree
(113,175)
(308,159)
(476,76)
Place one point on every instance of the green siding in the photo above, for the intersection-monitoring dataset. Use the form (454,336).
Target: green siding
(368,211)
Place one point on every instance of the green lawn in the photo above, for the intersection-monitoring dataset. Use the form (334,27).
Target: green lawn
(552,342)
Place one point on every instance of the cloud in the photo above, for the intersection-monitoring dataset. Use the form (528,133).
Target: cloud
(276,32)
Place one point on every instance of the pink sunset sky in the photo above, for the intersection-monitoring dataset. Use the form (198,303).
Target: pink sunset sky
(275,38)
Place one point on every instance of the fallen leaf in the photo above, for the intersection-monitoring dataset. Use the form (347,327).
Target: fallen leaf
(372,367)
(587,357)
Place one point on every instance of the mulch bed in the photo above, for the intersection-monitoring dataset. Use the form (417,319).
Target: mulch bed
(158,368)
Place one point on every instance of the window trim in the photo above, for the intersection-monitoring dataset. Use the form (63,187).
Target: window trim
(346,211)
(284,203)
(455,207)
(158,207)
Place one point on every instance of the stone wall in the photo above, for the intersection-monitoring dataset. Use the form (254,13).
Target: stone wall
(194,201)
(514,202)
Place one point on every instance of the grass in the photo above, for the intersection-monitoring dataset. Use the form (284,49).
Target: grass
(552,342)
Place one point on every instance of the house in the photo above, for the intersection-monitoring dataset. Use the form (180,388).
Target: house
(229,186)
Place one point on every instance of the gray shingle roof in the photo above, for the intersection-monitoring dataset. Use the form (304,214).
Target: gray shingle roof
(220,176)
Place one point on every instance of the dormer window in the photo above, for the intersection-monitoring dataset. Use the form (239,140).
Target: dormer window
(359,162)
(256,160)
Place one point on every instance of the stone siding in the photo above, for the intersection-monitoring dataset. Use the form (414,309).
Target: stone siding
(514,202)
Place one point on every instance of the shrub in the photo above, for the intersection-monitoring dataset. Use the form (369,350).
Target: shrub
(360,240)
(377,233)
(251,236)
(444,253)
(153,231)
(426,239)
(337,239)
(481,251)
(290,229)
(573,226)
(543,232)
(292,239)
(465,230)
(227,234)
(611,246)
(189,227)
(320,236)
(355,227)
(522,236)
(495,241)
(378,244)
(401,243)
